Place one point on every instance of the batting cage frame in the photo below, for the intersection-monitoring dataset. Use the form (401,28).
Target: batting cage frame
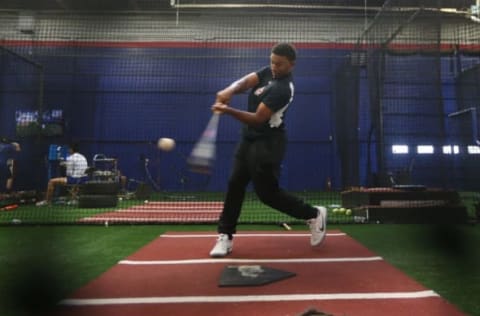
(371,82)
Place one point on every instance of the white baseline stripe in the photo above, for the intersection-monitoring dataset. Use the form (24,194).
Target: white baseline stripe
(250,235)
(247,298)
(233,260)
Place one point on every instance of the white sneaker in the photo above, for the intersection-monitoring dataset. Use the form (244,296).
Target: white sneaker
(223,247)
(318,226)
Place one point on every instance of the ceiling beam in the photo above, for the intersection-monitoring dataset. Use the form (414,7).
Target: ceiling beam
(179,5)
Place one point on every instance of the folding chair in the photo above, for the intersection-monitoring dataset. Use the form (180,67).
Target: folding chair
(74,185)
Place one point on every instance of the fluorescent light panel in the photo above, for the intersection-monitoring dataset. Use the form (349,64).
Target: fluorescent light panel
(451,149)
(399,149)
(473,150)
(425,149)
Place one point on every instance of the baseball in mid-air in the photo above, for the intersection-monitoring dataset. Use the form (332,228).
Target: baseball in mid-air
(166,144)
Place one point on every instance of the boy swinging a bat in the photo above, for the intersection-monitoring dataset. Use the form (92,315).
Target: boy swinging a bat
(262,147)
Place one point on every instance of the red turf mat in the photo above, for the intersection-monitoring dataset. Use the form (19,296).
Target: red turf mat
(173,275)
(161,212)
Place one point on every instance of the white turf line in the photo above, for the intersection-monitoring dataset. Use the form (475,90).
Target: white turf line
(247,298)
(233,260)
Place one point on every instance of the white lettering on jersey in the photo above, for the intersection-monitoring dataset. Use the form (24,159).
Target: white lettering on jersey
(277,118)
(259,91)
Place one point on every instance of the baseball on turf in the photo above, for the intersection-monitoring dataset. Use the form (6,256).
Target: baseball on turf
(166,144)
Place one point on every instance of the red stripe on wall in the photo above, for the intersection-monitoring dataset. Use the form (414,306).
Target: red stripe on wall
(250,45)
(168,44)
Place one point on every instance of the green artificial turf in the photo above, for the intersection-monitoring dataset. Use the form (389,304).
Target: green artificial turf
(253,211)
(443,258)
(40,265)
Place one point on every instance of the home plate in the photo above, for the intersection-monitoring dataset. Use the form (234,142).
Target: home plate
(251,275)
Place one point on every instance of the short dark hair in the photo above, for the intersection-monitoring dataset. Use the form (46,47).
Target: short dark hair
(74,147)
(286,50)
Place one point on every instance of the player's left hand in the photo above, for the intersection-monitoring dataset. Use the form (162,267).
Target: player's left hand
(219,107)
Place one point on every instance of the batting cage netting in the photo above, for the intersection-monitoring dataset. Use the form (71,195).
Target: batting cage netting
(386,98)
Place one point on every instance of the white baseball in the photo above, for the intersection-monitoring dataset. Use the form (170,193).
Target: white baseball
(166,144)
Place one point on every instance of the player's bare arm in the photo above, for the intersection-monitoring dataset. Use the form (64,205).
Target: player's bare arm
(241,85)
(256,119)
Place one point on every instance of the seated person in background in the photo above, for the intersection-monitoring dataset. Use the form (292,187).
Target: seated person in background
(76,164)
(122,179)
(8,164)
(123,182)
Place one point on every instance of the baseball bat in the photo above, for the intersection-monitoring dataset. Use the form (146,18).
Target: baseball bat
(203,154)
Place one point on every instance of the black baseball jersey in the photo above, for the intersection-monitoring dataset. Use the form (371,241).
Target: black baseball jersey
(276,94)
(7,151)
